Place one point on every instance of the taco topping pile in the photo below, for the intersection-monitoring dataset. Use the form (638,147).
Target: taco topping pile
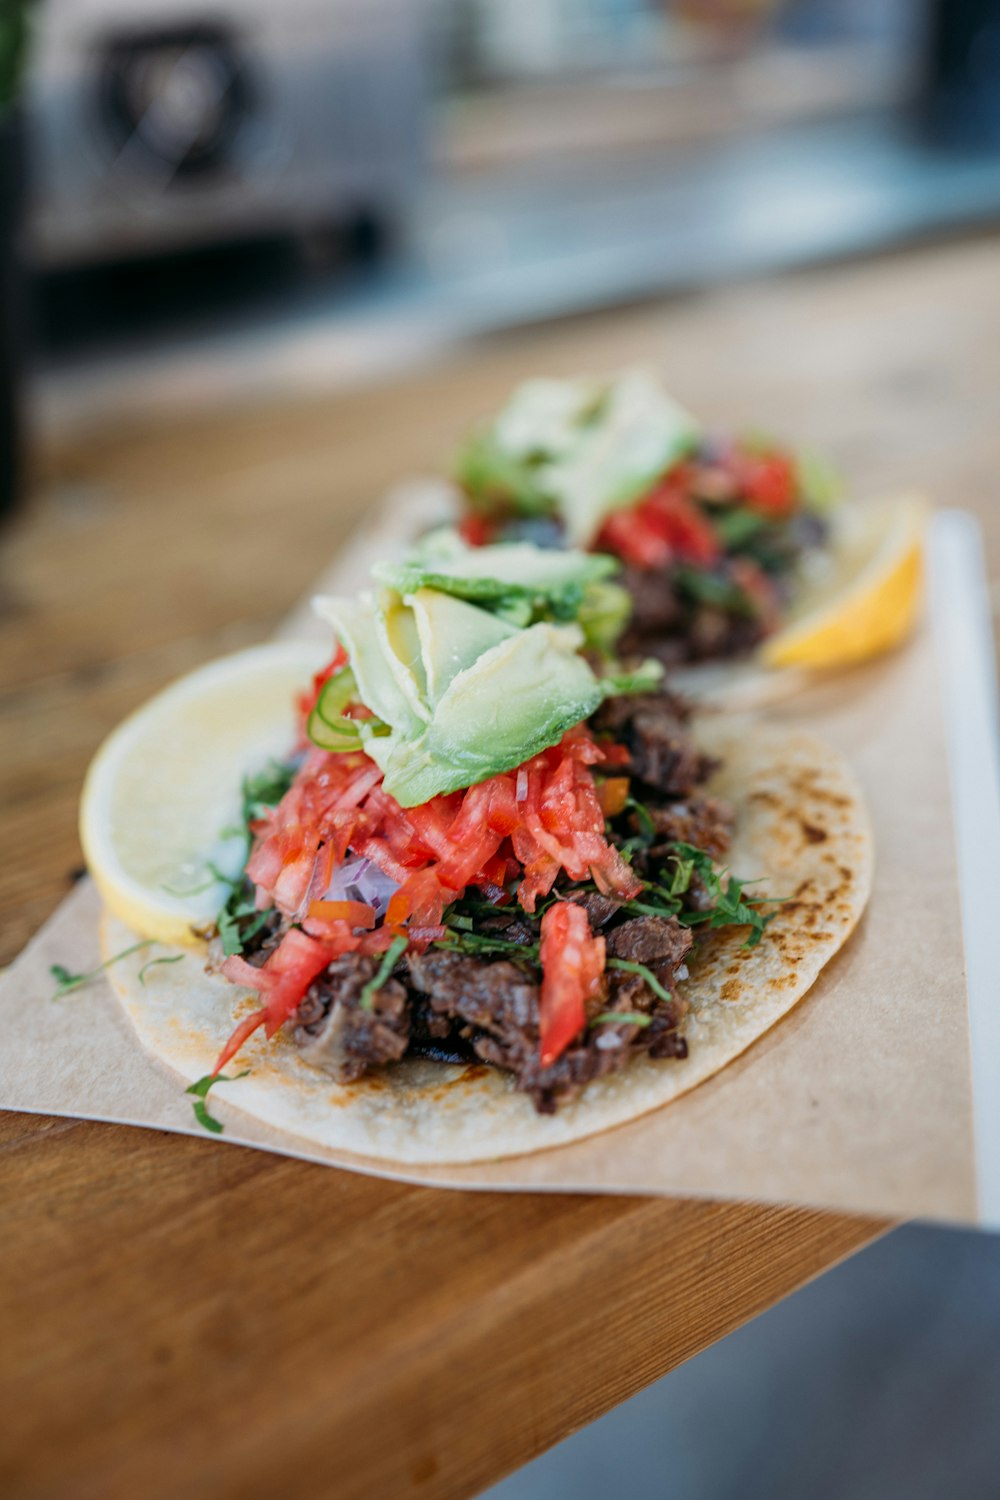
(710,532)
(484,849)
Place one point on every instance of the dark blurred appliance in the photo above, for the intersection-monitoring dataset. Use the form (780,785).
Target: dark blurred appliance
(162,124)
(960,100)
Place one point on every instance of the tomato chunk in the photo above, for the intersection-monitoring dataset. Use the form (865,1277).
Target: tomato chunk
(280,983)
(572,969)
(666,525)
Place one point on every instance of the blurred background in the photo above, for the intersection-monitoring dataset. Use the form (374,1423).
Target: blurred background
(242,207)
(337,186)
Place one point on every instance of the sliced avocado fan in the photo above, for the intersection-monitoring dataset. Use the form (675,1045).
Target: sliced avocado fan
(459,692)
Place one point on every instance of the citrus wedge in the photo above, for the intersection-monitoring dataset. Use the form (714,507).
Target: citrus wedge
(161,803)
(867,598)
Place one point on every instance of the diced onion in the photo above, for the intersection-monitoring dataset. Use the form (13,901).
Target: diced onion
(358,879)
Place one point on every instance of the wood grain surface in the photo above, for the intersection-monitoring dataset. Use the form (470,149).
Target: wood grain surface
(180,1319)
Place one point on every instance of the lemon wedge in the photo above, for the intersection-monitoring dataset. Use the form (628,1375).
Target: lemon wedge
(162,799)
(867,599)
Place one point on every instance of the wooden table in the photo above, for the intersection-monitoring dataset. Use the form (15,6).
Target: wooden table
(180,1318)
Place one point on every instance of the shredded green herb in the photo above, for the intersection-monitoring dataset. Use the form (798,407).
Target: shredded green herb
(645,973)
(265,790)
(200,1090)
(727,906)
(647,828)
(680,881)
(472,943)
(166,959)
(720,593)
(67,981)
(390,958)
(622,1018)
(239,921)
(737,525)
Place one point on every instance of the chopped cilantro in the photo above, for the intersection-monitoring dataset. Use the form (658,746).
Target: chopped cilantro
(392,954)
(622,1018)
(67,981)
(476,943)
(647,828)
(200,1090)
(265,790)
(737,525)
(726,906)
(706,588)
(239,920)
(647,974)
(166,959)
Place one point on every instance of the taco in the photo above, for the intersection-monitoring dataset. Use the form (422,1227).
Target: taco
(488,903)
(712,533)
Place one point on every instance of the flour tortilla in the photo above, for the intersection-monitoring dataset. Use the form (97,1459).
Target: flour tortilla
(802,829)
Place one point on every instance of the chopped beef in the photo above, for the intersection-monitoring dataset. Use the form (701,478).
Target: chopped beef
(653,941)
(498,1002)
(676,631)
(704,822)
(436,1037)
(341,1035)
(653,729)
(656,606)
(605,1049)
(511,925)
(459,1009)
(660,944)
(600,909)
(495,997)
(715,632)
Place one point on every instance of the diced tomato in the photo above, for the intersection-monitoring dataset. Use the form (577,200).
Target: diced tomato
(281,983)
(768,481)
(421,899)
(476,529)
(355,913)
(572,968)
(664,526)
(628,536)
(244,1030)
(612,794)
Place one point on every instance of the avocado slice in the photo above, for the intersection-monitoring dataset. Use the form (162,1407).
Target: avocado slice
(397,632)
(516,580)
(544,416)
(517,699)
(358,626)
(452,636)
(640,434)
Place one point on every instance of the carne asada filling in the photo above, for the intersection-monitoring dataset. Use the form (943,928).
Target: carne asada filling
(469,986)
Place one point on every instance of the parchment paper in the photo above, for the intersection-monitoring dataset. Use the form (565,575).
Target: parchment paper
(861,1099)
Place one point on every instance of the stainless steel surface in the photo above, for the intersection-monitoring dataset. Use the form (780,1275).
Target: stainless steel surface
(321,108)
